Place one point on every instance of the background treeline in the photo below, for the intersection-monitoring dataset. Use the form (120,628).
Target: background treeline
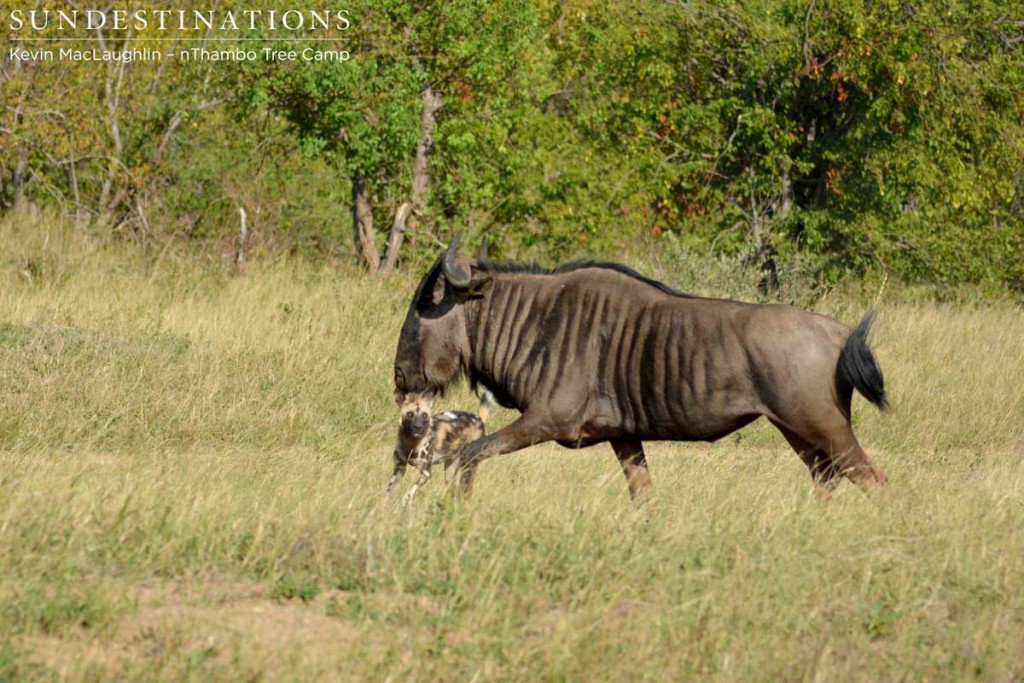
(811,138)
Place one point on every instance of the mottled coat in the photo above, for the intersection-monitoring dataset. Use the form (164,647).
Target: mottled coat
(425,440)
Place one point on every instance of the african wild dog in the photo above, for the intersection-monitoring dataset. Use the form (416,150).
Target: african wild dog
(425,439)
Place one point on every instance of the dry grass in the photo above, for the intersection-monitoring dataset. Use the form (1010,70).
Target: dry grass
(191,466)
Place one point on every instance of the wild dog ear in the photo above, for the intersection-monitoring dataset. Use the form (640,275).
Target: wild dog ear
(428,398)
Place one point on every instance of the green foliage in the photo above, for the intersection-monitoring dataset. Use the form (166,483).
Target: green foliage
(878,139)
(850,137)
(289,587)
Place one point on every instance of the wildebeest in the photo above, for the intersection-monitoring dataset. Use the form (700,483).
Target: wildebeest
(425,440)
(595,352)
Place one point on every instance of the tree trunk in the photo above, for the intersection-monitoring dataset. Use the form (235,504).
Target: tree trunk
(19,171)
(112,99)
(243,237)
(421,167)
(19,179)
(420,179)
(786,200)
(362,223)
(755,217)
(396,237)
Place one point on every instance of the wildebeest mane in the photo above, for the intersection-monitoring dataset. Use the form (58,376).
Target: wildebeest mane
(571,266)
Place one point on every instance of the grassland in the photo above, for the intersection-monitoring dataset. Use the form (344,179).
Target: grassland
(192,461)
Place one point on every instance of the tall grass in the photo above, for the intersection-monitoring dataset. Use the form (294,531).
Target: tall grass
(192,461)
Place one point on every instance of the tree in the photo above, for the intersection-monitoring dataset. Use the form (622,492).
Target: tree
(872,136)
(377,116)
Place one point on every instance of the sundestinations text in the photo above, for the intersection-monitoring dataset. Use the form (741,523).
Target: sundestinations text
(181,20)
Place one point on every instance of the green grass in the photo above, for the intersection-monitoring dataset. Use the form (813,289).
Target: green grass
(192,462)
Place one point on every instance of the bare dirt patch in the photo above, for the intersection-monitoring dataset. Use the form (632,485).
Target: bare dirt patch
(228,624)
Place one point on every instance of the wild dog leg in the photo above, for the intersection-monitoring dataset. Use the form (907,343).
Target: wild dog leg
(396,476)
(422,481)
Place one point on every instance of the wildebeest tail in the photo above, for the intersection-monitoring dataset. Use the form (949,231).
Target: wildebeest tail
(486,401)
(858,369)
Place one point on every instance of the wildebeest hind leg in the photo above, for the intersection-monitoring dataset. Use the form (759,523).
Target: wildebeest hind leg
(818,461)
(833,454)
(634,465)
(855,464)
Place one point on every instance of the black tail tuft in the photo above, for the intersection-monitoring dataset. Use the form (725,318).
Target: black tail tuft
(857,369)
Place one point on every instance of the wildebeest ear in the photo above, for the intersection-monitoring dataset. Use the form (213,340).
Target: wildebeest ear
(437,296)
(477,286)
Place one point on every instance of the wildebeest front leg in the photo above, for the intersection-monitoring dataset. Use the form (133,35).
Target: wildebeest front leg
(526,431)
(631,457)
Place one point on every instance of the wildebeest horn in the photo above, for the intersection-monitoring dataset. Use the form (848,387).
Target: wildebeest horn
(455,275)
(482,254)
